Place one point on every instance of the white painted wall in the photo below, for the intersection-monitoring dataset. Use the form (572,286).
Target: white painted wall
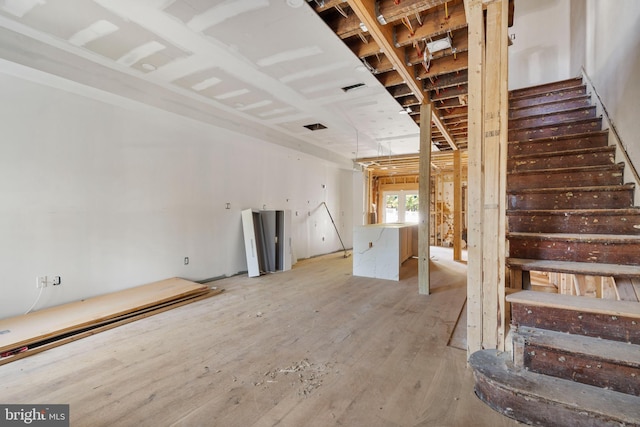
(110,195)
(613,65)
(541,51)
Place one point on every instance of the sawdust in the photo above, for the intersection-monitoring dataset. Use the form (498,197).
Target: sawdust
(305,375)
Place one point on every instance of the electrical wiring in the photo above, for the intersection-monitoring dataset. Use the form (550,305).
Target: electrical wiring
(35,302)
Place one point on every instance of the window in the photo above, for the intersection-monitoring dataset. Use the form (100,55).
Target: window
(401,206)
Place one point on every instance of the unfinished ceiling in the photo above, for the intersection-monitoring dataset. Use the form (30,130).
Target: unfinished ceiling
(307,74)
(266,68)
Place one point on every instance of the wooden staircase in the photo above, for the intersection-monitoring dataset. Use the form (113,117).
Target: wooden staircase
(571,218)
(569,210)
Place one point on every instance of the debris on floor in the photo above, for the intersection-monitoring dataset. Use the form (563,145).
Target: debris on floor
(305,375)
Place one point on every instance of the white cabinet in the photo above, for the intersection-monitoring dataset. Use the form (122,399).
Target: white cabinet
(267,240)
(379,250)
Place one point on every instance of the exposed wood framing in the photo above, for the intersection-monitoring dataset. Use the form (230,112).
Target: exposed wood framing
(475,211)
(457,206)
(487,174)
(424,194)
(384,37)
(496,73)
(437,26)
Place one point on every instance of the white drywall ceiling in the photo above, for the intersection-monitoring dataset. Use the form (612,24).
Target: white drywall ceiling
(259,66)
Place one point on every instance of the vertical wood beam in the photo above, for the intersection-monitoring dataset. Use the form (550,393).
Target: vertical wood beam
(494,148)
(457,206)
(475,188)
(503,38)
(424,195)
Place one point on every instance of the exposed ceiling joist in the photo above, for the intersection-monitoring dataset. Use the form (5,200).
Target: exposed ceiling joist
(384,36)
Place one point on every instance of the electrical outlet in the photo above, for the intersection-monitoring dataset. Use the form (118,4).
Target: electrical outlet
(57,280)
(186,260)
(41,282)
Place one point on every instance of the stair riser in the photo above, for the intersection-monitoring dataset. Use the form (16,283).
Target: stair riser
(625,253)
(614,328)
(542,91)
(554,162)
(546,99)
(515,113)
(558,179)
(572,200)
(553,118)
(591,224)
(553,145)
(559,130)
(533,410)
(614,375)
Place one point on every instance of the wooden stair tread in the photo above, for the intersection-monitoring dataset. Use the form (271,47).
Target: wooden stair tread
(562,137)
(565,212)
(578,151)
(623,187)
(543,400)
(615,166)
(606,238)
(574,267)
(556,125)
(606,307)
(541,88)
(596,348)
(551,102)
(552,113)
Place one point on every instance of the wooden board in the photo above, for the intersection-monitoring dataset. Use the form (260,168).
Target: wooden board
(568,302)
(47,323)
(39,347)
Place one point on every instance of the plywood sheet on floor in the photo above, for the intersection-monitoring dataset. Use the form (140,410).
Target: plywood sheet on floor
(314,346)
(50,322)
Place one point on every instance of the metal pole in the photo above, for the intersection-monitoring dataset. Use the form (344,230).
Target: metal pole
(337,232)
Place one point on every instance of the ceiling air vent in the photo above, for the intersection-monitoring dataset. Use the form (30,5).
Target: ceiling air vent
(352,87)
(315,126)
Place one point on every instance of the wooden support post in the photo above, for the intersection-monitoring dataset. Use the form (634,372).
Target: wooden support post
(475,188)
(424,194)
(457,206)
(494,146)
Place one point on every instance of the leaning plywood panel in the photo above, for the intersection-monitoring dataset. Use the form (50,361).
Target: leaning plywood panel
(250,244)
(269,227)
(37,326)
(284,251)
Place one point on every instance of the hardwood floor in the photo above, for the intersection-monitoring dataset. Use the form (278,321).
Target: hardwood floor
(313,346)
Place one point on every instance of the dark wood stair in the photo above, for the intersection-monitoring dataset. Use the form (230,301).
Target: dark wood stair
(566,197)
(575,359)
(575,362)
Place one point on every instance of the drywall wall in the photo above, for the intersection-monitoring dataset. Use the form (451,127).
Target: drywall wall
(110,195)
(613,65)
(541,50)
(578,35)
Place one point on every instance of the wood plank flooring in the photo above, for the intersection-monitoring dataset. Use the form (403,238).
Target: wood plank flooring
(313,346)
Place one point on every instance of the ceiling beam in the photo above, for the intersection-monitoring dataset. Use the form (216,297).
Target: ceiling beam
(384,35)
(392,11)
(446,65)
(328,4)
(435,24)
(362,49)
(391,78)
